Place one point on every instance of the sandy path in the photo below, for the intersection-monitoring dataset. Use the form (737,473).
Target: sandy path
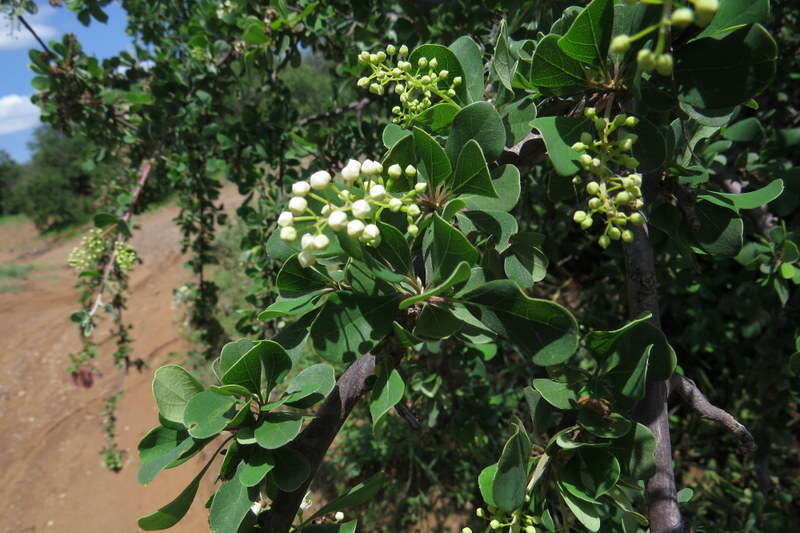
(53,478)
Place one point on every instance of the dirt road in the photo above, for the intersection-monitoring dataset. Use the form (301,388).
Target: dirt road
(53,478)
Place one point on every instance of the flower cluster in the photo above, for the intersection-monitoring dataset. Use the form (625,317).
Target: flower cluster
(516,522)
(351,204)
(124,255)
(92,247)
(416,84)
(618,198)
(658,60)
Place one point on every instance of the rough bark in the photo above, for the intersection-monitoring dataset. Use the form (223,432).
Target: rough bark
(314,441)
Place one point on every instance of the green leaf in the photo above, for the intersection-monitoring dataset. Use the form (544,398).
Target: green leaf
(388,391)
(746,200)
(231,390)
(636,452)
(612,426)
(715,73)
(506,184)
(588,38)
(526,263)
(277,363)
(232,352)
(540,329)
(630,378)
(471,58)
(161,440)
(585,512)
(504,63)
(257,464)
(508,487)
(685,495)
(255,33)
(446,60)
(347,527)
(734,13)
(350,325)
(625,346)
(437,117)
(310,386)
(556,393)
(720,231)
(246,372)
(171,514)
(459,275)
(402,153)
(156,464)
(518,116)
(554,70)
(436,322)
(357,495)
(101,220)
(479,121)
(293,306)
(472,174)
(746,130)
(276,429)
(448,249)
(559,134)
(293,280)
(230,505)
(393,133)
(486,484)
(393,251)
(498,226)
(173,387)
(291,469)
(434,165)
(207,413)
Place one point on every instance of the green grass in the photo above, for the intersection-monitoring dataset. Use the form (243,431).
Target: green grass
(10,288)
(16,271)
(12,219)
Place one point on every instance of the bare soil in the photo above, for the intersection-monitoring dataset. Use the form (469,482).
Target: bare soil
(53,477)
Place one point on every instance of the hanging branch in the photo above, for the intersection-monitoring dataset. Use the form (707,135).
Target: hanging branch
(35,35)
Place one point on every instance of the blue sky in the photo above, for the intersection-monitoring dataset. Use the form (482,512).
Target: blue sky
(18,116)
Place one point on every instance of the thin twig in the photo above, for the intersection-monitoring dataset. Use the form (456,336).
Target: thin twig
(352,106)
(695,399)
(35,35)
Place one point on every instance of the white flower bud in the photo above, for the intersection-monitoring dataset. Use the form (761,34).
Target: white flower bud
(377,192)
(413,210)
(307,241)
(354,228)
(620,44)
(421,186)
(337,220)
(370,233)
(403,51)
(306,259)
(413,229)
(300,188)
(395,204)
(297,205)
(339,516)
(361,209)
(320,179)
(285,219)
(325,209)
(288,234)
(368,167)
(321,241)
(395,171)
(411,171)
(345,195)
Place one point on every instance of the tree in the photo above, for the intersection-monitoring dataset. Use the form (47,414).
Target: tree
(620,116)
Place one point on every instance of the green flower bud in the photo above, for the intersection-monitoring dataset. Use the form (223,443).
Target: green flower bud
(627,182)
(631,162)
(579,216)
(638,204)
(627,235)
(664,64)
(586,138)
(395,171)
(396,110)
(682,17)
(403,52)
(466,530)
(363,82)
(381,56)
(593,187)
(604,241)
(579,146)
(495,524)
(637,219)
(595,203)
(587,223)
(457,80)
(410,171)
(373,58)
(413,230)
(443,74)
(391,49)
(585,160)
(422,62)
(646,60)
(632,122)
(421,186)
(530,529)
(614,233)
(480,512)
(590,112)
(364,57)
(620,44)
(375,88)
(399,88)
(622,198)
(426,79)
(433,63)
(705,10)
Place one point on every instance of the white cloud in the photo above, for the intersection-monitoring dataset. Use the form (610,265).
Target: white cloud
(17,113)
(13,35)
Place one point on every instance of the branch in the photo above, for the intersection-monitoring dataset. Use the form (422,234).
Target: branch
(314,441)
(642,291)
(530,151)
(352,106)
(35,35)
(695,399)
